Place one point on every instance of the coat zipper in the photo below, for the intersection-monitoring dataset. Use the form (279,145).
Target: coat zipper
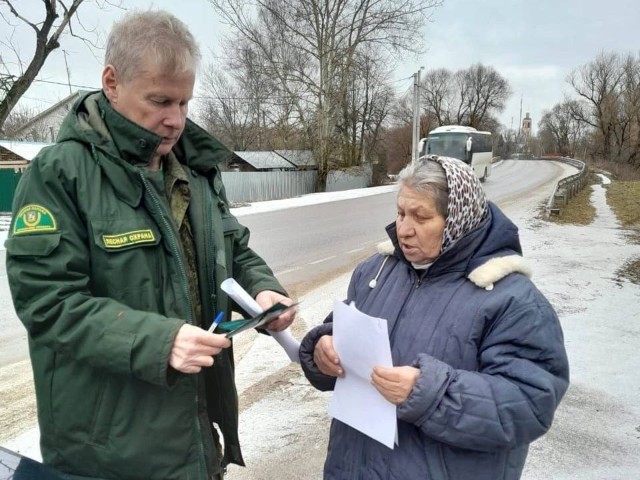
(190,319)
(174,246)
(415,287)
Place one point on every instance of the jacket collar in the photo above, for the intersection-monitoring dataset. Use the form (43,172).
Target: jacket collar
(128,146)
(485,255)
(135,144)
(195,148)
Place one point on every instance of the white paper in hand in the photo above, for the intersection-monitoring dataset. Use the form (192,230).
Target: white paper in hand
(362,342)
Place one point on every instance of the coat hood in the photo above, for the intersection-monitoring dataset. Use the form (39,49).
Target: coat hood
(485,255)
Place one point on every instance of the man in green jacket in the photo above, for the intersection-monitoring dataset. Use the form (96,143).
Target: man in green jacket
(121,236)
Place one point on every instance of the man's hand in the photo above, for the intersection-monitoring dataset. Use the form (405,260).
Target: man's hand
(326,358)
(268,298)
(395,383)
(194,348)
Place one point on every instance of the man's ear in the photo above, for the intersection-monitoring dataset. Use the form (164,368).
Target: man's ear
(110,83)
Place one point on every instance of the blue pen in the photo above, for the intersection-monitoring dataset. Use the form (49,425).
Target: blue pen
(216,322)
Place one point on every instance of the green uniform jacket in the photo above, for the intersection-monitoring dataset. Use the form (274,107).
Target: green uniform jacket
(97,274)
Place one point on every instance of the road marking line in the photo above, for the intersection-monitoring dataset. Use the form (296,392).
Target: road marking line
(287,271)
(322,260)
(355,250)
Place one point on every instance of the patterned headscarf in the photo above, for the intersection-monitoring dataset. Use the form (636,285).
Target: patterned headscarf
(467,205)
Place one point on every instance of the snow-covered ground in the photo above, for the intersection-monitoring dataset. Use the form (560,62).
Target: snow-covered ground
(596,431)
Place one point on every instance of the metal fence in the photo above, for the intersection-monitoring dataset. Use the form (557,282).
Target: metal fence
(259,186)
(9,178)
(567,187)
(243,187)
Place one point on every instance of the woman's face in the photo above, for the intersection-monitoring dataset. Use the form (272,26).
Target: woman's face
(419,226)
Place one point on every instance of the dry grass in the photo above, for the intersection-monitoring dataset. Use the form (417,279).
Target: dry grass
(579,210)
(624,199)
(618,171)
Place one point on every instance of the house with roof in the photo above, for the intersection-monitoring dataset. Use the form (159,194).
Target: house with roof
(258,161)
(14,160)
(47,123)
(302,159)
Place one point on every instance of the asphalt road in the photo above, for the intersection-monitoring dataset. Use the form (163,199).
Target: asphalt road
(306,246)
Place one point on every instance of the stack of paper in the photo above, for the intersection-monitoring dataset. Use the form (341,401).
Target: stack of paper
(361,343)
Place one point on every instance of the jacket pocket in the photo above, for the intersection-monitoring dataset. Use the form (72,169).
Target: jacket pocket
(127,257)
(103,413)
(230,228)
(37,245)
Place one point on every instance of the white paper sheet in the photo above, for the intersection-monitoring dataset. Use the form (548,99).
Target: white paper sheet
(287,341)
(362,342)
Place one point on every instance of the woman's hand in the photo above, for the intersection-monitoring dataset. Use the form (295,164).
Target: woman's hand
(326,358)
(395,383)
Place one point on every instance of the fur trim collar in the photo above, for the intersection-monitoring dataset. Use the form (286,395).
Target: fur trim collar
(386,248)
(484,276)
(496,269)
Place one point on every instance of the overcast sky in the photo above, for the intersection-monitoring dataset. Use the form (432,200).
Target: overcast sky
(534,44)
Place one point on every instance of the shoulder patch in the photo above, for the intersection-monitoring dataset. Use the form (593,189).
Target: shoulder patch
(34,218)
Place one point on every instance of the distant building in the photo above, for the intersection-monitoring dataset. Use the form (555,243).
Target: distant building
(258,161)
(14,159)
(302,159)
(18,152)
(270,161)
(526,128)
(46,124)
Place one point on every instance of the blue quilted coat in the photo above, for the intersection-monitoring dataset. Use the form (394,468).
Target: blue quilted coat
(491,355)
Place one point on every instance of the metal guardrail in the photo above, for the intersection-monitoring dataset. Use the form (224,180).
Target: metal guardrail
(567,187)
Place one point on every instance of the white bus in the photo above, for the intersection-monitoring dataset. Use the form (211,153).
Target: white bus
(464,143)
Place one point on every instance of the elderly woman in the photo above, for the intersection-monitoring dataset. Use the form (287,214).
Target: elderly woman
(478,353)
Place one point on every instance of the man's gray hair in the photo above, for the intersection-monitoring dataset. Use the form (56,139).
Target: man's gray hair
(153,35)
(427,176)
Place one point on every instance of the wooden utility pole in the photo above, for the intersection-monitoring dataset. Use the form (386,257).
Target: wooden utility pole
(416,115)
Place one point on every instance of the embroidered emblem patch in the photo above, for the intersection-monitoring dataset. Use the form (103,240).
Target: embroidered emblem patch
(129,238)
(34,219)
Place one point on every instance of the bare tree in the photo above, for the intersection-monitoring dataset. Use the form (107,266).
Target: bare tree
(244,106)
(58,15)
(561,126)
(311,49)
(488,92)
(226,110)
(21,115)
(365,105)
(598,85)
(472,96)
(437,94)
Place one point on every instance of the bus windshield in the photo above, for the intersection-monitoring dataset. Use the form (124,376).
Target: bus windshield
(448,145)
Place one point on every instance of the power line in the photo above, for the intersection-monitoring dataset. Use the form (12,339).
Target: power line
(65,84)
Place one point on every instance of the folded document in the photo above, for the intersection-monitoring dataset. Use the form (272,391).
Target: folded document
(234,327)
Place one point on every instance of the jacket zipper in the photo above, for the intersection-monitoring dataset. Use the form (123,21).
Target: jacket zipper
(419,279)
(210,265)
(174,246)
(190,319)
